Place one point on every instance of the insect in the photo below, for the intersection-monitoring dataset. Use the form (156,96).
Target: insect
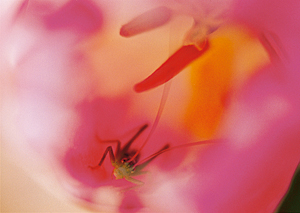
(126,162)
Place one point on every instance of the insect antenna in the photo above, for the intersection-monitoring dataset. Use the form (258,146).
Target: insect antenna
(173,40)
(151,157)
(141,166)
(158,115)
(128,144)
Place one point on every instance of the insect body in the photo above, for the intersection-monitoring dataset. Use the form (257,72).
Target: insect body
(126,163)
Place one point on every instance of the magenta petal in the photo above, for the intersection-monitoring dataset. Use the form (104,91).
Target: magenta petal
(78,15)
(253,176)
(85,150)
(131,202)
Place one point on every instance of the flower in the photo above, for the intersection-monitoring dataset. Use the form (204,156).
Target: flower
(70,91)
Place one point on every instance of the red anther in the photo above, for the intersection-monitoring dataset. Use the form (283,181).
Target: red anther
(179,60)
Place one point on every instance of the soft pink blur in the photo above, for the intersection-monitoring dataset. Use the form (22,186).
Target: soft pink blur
(69,79)
(67,84)
(253,169)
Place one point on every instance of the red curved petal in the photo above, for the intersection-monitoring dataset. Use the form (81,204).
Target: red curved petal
(179,60)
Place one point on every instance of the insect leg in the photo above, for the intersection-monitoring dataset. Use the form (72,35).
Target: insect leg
(138,168)
(128,144)
(111,155)
(111,141)
(151,157)
(135,181)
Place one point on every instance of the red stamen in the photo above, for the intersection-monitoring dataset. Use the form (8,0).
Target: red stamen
(179,60)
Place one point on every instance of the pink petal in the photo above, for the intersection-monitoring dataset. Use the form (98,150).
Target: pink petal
(253,169)
(77,15)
